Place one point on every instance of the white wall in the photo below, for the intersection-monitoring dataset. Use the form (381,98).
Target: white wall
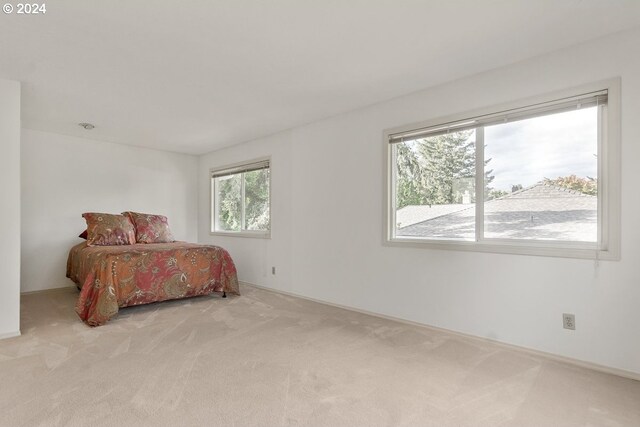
(10,210)
(327,223)
(64,176)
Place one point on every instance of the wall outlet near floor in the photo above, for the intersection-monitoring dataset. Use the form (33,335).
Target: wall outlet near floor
(569,321)
(273,271)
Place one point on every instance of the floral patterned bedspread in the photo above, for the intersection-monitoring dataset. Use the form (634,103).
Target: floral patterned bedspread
(111,277)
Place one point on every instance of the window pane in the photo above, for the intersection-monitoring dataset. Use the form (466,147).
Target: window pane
(541,178)
(435,187)
(229,202)
(256,196)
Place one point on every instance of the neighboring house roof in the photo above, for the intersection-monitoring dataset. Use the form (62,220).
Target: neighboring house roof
(542,211)
(414,214)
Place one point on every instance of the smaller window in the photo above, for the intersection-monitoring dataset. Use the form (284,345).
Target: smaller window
(241,199)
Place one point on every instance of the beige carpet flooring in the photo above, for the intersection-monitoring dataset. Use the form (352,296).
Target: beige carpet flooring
(264,359)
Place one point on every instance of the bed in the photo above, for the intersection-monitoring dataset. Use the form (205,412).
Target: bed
(112,277)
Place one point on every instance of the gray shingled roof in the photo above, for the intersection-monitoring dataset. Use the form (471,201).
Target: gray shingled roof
(414,214)
(542,211)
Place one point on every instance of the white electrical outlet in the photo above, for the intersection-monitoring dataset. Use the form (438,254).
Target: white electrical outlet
(569,321)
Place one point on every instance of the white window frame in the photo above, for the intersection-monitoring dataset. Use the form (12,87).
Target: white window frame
(609,163)
(213,200)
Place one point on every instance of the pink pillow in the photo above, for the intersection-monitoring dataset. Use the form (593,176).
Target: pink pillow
(151,228)
(109,230)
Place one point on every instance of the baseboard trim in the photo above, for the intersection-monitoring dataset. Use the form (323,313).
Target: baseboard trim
(9,335)
(50,290)
(551,356)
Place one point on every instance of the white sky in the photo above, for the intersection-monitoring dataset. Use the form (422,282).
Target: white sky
(527,151)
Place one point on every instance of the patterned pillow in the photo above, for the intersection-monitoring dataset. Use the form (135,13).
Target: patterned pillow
(109,230)
(151,228)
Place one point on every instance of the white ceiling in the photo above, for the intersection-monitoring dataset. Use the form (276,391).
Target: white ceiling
(193,76)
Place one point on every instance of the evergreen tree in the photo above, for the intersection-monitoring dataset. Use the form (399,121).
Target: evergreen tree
(438,170)
(409,177)
(449,165)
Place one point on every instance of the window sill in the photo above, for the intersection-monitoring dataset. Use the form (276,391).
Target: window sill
(548,249)
(250,234)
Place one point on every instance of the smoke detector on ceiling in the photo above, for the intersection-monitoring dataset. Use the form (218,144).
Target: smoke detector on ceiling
(86,126)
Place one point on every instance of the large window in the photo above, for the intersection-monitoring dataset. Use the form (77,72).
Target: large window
(539,178)
(240,196)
